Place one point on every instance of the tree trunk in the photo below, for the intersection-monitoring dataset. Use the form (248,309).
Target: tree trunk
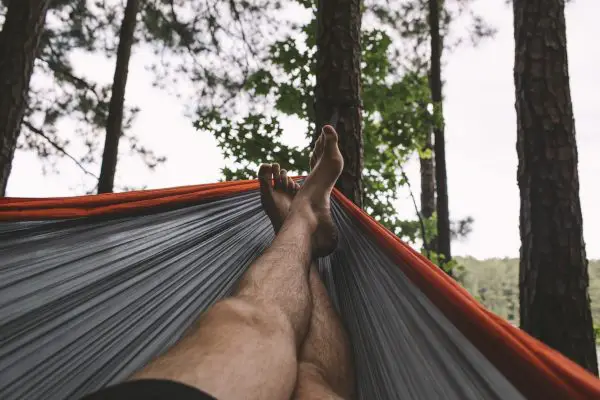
(19,43)
(441,179)
(554,301)
(337,92)
(428,193)
(114,121)
(427,181)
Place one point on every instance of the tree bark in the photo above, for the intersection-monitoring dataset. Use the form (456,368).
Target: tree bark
(554,301)
(114,122)
(428,204)
(427,181)
(337,91)
(441,179)
(19,44)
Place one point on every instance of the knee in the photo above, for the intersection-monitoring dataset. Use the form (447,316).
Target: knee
(310,372)
(315,383)
(312,384)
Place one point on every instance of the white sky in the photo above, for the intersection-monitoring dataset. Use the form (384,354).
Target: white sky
(480,133)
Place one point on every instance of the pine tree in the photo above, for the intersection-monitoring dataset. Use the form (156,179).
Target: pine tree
(19,44)
(338,88)
(114,121)
(58,92)
(554,301)
(441,178)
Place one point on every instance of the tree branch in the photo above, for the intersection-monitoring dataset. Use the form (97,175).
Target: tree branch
(59,148)
(60,69)
(423,230)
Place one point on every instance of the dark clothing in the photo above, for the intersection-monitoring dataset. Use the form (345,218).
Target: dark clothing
(149,390)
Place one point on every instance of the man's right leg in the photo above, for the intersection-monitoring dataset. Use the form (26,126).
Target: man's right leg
(325,369)
(246,346)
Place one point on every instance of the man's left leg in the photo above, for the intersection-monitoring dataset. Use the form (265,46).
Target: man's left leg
(325,369)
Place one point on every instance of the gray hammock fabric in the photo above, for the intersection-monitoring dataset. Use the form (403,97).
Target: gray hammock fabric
(86,302)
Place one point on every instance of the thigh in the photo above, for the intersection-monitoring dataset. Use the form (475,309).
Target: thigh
(238,351)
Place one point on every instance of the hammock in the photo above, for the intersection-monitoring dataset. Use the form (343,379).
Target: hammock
(93,287)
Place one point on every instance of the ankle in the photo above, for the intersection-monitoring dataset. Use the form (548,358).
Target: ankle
(304,215)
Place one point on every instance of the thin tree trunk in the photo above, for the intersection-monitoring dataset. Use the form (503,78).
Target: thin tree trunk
(337,92)
(114,122)
(441,179)
(554,301)
(428,181)
(427,168)
(19,43)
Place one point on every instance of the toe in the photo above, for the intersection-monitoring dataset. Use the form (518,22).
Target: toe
(265,177)
(319,146)
(290,185)
(316,153)
(330,140)
(276,174)
(283,180)
(328,133)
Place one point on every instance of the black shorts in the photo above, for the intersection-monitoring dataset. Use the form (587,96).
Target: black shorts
(149,389)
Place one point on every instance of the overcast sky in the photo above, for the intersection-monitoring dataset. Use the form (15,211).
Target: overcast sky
(480,123)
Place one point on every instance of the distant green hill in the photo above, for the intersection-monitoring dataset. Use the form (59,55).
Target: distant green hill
(495,283)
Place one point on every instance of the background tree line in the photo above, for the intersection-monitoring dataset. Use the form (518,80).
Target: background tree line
(495,283)
(372,68)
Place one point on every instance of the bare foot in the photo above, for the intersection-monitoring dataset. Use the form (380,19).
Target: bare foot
(277,191)
(312,201)
(280,195)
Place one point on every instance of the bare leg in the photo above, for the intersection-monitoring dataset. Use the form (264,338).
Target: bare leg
(325,368)
(245,347)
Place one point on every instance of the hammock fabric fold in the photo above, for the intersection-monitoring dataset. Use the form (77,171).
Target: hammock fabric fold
(93,287)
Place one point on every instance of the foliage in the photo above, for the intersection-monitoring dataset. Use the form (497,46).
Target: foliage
(245,65)
(395,95)
(395,116)
(57,93)
(407,22)
(495,283)
(189,39)
(210,45)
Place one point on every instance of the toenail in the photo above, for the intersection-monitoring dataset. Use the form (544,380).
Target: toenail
(328,129)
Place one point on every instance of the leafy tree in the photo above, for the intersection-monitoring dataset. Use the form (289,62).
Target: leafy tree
(423,30)
(554,301)
(393,117)
(395,97)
